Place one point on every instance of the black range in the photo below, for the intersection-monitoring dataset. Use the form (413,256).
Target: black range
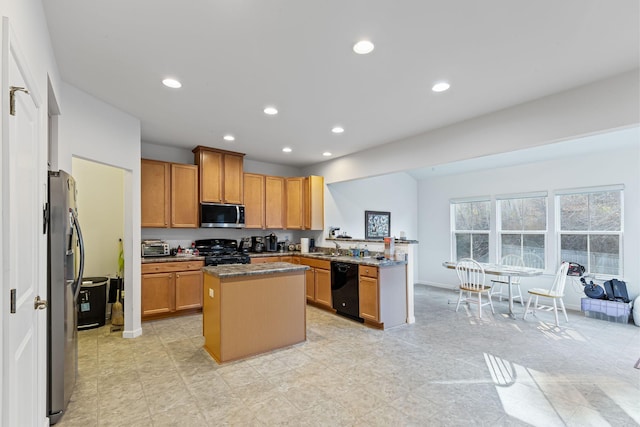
(221,251)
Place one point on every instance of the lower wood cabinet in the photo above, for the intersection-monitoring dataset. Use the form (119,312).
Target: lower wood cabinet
(368,292)
(383,295)
(318,281)
(171,287)
(263,259)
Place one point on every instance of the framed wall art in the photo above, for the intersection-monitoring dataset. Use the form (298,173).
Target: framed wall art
(377,225)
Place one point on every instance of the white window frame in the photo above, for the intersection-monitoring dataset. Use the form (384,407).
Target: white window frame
(500,232)
(454,231)
(619,233)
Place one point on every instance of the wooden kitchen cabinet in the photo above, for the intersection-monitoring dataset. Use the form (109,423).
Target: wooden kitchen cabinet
(383,295)
(233,182)
(155,180)
(221,175)
(184,196)
(263,259)
(313,197)
(157,293)
(274,202)
(368,292)
(168,288)
(169,194)
(318,281)
(295,203)
(188,290)
(254,200)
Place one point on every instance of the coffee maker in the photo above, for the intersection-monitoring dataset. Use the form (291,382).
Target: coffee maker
(245,244)
(271,243)
(257,243)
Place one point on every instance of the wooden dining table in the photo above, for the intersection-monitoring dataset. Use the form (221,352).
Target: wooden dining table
(504,270)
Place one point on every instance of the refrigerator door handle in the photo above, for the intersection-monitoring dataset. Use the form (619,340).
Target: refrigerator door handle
(76,283)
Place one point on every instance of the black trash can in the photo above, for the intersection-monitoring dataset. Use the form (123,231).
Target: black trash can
(92,302)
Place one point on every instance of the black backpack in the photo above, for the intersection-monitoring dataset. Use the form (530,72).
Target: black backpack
(616,290)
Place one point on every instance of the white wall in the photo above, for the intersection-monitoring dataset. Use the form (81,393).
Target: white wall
(346,202)
(615,166)
(185,155)
(101,213)
(606,104)
(93,130)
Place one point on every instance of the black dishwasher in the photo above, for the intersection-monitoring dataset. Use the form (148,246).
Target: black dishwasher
(344,289)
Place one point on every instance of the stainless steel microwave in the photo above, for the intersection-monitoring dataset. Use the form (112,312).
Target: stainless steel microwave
(218,215)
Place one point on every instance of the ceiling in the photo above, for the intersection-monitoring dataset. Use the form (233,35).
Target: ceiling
(234,57)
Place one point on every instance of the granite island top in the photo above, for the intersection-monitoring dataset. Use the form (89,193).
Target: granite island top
(235,270)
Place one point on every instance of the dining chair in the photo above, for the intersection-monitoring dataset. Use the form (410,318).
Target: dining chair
(532,260)
(555,292)
(471,275)
(501,281)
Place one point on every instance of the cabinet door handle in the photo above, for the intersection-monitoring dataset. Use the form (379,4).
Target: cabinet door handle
(177,275)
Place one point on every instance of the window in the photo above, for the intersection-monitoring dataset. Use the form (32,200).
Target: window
(591,226)
(471,229)
(522,226)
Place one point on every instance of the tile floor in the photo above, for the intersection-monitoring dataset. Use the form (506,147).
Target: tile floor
(447,369)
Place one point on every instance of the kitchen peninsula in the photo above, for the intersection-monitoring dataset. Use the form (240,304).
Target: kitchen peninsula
(253,308)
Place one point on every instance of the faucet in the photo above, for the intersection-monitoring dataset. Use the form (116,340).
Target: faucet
(337,245)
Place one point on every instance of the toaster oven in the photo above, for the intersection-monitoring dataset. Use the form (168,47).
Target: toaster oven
(154,248)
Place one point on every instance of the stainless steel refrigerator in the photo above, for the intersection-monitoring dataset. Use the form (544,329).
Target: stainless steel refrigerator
(66,256)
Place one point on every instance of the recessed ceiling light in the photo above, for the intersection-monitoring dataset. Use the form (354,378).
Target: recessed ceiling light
(229,138)
(337,129)
(363,47)
(271,111)
(326,154)
(440,87)
(287,149)
(172,83)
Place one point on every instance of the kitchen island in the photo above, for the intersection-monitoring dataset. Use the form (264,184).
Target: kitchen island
(252,308)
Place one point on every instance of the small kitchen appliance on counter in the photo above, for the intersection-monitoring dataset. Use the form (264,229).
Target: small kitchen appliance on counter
(245,244)
(155,248)
(221,251)
(271,243)
(257,244)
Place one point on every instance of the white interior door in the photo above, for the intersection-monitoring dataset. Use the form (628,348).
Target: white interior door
(23,243)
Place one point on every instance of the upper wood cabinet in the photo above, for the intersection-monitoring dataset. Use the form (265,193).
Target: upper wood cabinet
(254,200)
(313,203)
(169,194)
(295,204)
(155,182)
(274,201)
(221,179)
(184,196)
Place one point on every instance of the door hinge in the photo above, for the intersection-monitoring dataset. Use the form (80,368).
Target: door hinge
(12,97)
(13,301)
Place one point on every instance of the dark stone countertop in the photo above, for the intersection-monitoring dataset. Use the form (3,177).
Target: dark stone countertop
(171,258)
(371,261)
(235,270)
